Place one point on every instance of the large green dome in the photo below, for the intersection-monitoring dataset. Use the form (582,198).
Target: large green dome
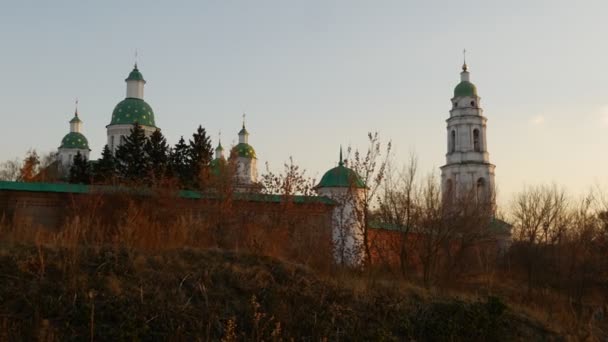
(75,140)
(132,110)
(341,177)
(465,88)
(244,150)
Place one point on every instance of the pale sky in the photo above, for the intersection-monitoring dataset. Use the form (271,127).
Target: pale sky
(312,75)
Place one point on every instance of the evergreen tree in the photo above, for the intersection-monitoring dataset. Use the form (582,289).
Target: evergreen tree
(178,162)
(200,155)
(79,171)
(105,168)
(132,162)
(158,152)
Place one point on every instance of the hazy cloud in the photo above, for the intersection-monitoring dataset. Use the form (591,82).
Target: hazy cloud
(537,120)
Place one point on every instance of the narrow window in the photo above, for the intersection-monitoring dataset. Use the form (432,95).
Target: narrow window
(472,103)
(481,188)
(453,141)
(112,143)
(476,145)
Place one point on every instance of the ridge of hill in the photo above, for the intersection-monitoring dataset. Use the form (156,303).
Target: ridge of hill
(108,294)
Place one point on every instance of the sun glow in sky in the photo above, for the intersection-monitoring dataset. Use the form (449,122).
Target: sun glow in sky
(312,75)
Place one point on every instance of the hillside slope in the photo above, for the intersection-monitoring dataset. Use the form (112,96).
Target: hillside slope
(64,294)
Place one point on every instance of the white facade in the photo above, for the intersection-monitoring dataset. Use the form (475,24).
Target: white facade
(65,156)
(118,133)
(246,171)
(468,171)
(347,227)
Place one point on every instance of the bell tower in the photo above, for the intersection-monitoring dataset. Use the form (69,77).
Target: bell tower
(468,173)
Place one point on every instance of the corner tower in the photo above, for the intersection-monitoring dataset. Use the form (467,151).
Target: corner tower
(131,110)
(468,173)
(347,189)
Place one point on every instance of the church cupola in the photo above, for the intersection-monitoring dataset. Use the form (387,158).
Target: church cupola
(73,143)
(133,109)
(219,151)
(135,84)
(246,160)
(243,135)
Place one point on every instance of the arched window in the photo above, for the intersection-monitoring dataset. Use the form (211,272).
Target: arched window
(476,143)
(453,141)
(481,188)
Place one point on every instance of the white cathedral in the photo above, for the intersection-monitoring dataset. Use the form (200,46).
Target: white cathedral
(134,109)
(467,171)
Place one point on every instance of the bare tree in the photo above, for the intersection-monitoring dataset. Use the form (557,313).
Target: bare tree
(10,170)
(398,206)
(539,217)
(371,167)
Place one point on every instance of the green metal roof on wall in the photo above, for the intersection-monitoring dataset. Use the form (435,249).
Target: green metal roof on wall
(187,194)
(465,88)
(132,110)
(244,150)
(341,177)
(135,75)
(75,140)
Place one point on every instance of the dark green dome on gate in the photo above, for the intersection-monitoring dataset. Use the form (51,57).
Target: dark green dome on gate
(341,177)
(75,140)
(132,110)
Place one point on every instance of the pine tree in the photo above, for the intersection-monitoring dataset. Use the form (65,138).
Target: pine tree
(199,156)
(178,162)
(104,170)
(132,162)
(158,152)
(80,172)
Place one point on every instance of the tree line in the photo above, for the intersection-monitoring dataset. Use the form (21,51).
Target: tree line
(148,161)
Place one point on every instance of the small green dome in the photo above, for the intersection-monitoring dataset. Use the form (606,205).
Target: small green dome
(341,177)
(75,140)
(75,119)
(465,88)
(244,150)
(135,75)
(132,110)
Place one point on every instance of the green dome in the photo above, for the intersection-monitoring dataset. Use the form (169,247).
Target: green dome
(75,140)
(131,110)
(465,88)
(75,119)
(244,150)
(341,177)
(135,75)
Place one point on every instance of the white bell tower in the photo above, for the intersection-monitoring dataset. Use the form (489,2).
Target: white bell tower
(468,173)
